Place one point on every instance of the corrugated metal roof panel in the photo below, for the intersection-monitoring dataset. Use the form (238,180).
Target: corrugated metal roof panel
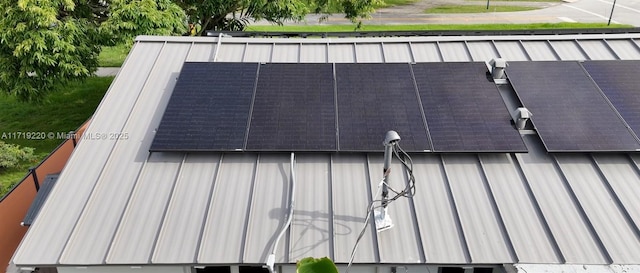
(232,52)
(519,213)
(402,242)
(369,53)
(311,228)
(397,52)
(258,53)
(597,50)
(136,236)
(569,50)
(313,53)
(618,238)
(454,52)
(426,52)
(269,208)
(286,53)
(481,224)
(69,196)
(440,228)
(482,51)
(224,243)
(575,239)
(201,52)
(86,246)
(351,196)
(622,174)
(512,50)
(341,53)
(625,49)
(180,233)
(227,208)
(540,50)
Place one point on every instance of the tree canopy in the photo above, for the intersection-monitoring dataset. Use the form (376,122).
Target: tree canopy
(235,15)
(46,43)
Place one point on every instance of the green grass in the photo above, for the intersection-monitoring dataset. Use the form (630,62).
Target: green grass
(475,9)
(334,6)
(515,1)
(429,27)
(62,112)
(113,56)
(391,3)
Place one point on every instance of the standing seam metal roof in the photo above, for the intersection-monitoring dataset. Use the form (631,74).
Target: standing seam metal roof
(116,203)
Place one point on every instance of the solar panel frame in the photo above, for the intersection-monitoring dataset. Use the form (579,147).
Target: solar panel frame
(374,98)
(464,109)
(208,109)
(294,108)
(569,111)
(619,80)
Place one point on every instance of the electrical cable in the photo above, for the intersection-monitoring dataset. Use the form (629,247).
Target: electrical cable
(408,192)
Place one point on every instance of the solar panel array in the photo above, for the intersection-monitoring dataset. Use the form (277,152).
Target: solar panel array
(441,107)
(464,111)
(571,112)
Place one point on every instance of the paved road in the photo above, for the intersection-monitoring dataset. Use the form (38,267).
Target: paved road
(585,11)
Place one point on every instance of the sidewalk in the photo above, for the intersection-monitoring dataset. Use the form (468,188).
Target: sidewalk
(107,71)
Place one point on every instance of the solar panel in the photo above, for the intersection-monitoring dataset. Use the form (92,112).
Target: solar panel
(620,82)
(294,108)
(464,109)
(569,112)
(373,99)
(209,108)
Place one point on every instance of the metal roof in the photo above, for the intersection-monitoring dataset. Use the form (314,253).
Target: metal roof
(116,203)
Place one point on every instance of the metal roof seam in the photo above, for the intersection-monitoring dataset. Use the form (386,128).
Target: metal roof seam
(496,210)
(583,215)
(166,208)
(454,208)
(372,225)
(331,230)
(215,181)
(245,231)
(414,220)
(538,210)
(113,242)
(616,199)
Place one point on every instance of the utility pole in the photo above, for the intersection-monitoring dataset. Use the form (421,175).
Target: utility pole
(489,0)
(610,15)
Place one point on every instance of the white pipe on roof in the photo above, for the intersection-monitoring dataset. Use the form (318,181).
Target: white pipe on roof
(271,259)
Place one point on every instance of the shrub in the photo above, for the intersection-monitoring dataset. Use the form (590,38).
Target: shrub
(11,155)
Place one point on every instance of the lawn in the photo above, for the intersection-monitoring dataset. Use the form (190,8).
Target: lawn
(429,27)
(475,9)
(516,0)
(334,6)
(113,56)
(62,112)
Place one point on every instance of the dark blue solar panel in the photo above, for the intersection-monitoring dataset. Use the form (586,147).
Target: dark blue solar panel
(620,82)
(209,108)
(376,98)
(569,112)
(294,108)
(464,109)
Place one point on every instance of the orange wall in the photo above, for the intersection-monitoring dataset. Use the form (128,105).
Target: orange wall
(14,206)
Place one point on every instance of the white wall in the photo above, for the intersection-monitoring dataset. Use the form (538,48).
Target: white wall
(125,269)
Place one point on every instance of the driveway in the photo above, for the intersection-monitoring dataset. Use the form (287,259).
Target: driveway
(584,11)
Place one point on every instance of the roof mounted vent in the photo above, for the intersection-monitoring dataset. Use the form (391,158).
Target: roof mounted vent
(521,115)
(497,68)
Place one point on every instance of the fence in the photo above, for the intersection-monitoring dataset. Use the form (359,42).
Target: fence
(14,205)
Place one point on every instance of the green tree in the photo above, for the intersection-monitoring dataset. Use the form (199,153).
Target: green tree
(46,43)
(236,14)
